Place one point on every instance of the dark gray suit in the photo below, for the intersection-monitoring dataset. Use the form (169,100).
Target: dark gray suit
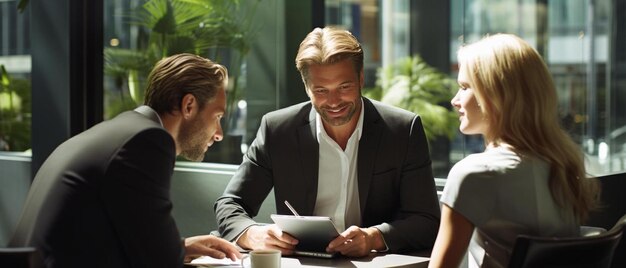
(396,187)
(101,199)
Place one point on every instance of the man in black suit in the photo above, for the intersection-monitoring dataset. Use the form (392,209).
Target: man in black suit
(362,163)
(102,198)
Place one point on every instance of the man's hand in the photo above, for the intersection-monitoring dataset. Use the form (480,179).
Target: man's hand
(357,242)
(267,237)
(210,245)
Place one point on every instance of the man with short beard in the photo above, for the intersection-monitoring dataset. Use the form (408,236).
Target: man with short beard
(364,164)
(102,198)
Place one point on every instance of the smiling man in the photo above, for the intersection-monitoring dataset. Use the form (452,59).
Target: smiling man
(102,198)
(362,163)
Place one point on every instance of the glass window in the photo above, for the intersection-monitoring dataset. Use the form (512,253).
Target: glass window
(385,31)
(15,88)
(138,33)
(578,40)
(362,19)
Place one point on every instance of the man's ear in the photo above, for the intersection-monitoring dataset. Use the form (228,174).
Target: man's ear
(188,105)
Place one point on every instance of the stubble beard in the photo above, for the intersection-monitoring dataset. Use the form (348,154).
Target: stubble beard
(337,121)
(192,142)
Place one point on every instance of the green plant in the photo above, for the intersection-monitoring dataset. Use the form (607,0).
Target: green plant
(21,6)
(15,112)
(217,29)
(413,85)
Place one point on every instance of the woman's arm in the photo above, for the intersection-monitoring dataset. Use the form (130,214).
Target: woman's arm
(455,232)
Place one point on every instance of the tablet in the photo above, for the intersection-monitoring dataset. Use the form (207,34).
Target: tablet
(314,233)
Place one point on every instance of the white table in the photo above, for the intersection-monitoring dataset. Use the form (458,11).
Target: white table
(374,260)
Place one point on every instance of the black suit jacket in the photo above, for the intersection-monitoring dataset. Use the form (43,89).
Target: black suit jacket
(396,187)
(101,199)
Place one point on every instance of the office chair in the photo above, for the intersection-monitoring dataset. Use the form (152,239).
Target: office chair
(584,251)
(22,257)
(18,253)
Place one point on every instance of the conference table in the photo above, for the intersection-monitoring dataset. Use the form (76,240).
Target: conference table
(376,260)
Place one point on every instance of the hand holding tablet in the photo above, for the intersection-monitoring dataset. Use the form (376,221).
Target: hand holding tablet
(314,233)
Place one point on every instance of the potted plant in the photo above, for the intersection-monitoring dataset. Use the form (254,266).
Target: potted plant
(15,112)
(415,86)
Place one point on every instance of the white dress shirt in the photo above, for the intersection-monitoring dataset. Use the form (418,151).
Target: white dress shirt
(337,190)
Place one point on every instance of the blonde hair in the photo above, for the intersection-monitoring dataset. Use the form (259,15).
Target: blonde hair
(518,98)
(327,46)
(176,76)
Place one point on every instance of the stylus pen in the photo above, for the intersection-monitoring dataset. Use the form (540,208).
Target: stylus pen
(292,209)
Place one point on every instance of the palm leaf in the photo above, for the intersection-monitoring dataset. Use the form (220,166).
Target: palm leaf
(413,85)
(5,81)
(201,27)
(21,6)
(118,61)
(158,16)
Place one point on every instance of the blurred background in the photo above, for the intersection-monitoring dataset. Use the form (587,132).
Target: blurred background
(69,65)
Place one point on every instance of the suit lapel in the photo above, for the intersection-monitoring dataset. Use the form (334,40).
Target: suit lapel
(368,149)
(309,155)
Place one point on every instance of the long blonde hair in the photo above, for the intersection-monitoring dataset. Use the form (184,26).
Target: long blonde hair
(518,98)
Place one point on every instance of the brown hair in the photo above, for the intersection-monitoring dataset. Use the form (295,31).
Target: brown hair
(176,76)
(327,46)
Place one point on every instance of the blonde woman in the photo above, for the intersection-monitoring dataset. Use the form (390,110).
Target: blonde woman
(530,179)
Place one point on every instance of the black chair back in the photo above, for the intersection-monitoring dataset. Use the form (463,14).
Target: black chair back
(613,206)
(586,251)
(24,257)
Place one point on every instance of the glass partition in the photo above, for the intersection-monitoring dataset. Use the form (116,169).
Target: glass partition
(138,33)
(15,86)
(581,40)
